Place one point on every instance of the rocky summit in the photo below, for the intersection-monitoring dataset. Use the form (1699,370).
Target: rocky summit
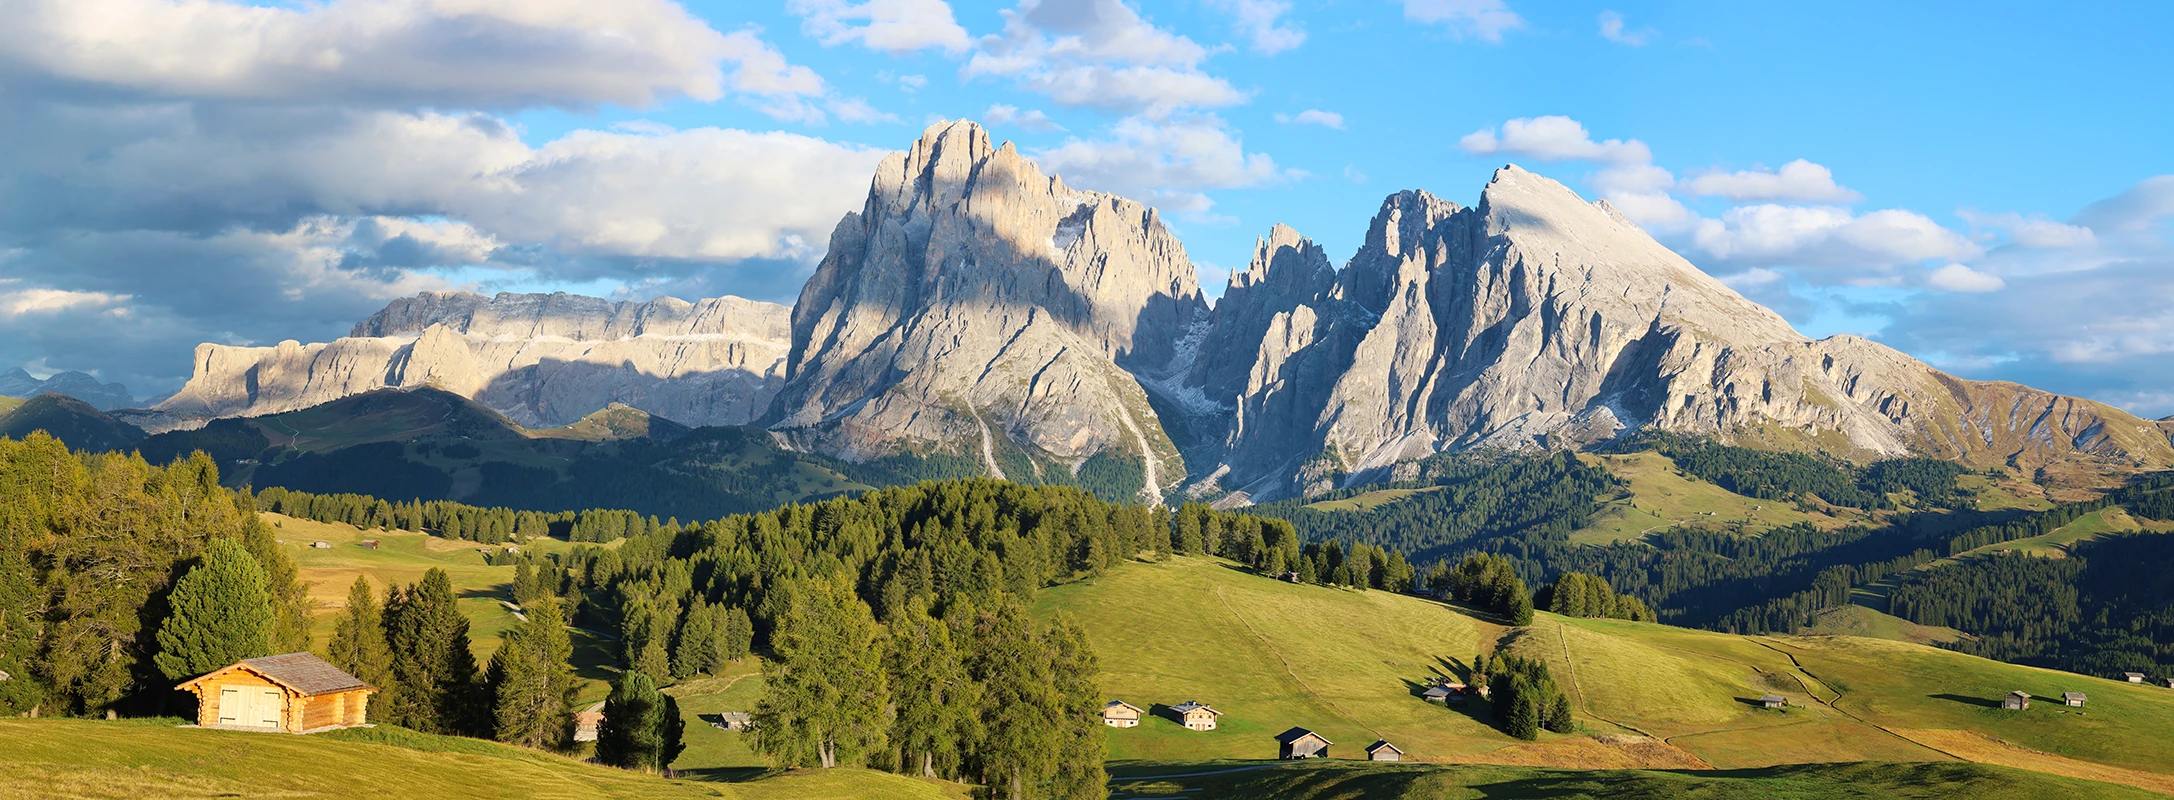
(543,360)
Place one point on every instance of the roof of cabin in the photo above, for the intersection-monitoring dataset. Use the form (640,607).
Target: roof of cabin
(1293,735)
(1773,698)
(2073,696)
(1383,745)
(304,673)
(1120,704)
(1191,706)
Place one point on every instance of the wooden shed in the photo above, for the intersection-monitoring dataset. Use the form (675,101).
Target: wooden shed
(1383,751)
(2133,677)
(587,721)
(1444,692)
(1120,714)
(1195,715)
(2016,701)
(294,692)
(1301,743)
(1774,701)
(2073,699)
(734,721)
(2170,683)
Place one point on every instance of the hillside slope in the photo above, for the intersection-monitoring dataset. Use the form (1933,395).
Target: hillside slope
(69,420)
(1349,665)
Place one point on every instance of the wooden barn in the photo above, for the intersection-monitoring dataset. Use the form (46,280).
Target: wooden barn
(587,721)
(1383,751)
(2016,701)
(2133,677)
(1120,714)
(1195,715)
(1774,701)
(1445,693)
(295,692)
(2073,699)
(1301,743)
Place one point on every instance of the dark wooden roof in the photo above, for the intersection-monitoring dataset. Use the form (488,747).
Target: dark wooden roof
(1191,706)
(2073,696)
(2021,694)
(1295,734)
(1383,745)
(1773,698)
(305,673)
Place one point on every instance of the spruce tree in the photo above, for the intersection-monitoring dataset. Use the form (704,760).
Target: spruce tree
(828,695)
(358,642)
(432,664)
(738,637)
(697,650)
(936,699)
(1520,605)
(642,726)
(533,686)
(1558,715)
(1523,719)
(222,613)
(290,596)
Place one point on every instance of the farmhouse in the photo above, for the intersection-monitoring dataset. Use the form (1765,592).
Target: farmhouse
(1774,701)
(1301,743)
(1120,714)
(1195,715)
(2016,701)
(1383,751)
(587,720)
(2133,677)
(2073,699)
(734,721)
(294,692)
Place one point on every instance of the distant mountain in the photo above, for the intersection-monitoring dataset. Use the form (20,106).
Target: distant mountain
(542,360)
(70,420)
(81,386)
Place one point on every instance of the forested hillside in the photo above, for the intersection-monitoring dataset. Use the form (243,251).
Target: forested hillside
(2107,608)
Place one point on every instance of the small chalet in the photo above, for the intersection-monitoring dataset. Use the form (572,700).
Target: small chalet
(2169,682)
(369,543)
(2133,677)
(321,545)
(2073,699)
(1383,751)
(1301,743)
(1774,701)
(734,721)
(1120,714)
(587,720)
(2016,701)
(1195,715)
(295,692)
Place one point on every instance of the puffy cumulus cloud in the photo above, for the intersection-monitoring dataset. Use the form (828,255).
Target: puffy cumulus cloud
(2142,206)
(466,53)
(1263,25)
(891,26)
(1553,138)
(1033,119)
(1486,19)
(1862,247)
(1798,181)
(1313,116)
(1100,54)
(1164,162)
(1612,28)
(1960,278)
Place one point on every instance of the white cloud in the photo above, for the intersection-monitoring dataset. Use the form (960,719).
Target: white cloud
(1960,278)
(1000,114)
(2143,205)
(471,53)
(1752,279)
(774,86)
(856,110)
(1612,29)
(2035,231)
(1263,25)
(1553,138)
(1865,247)
(1486,19)
(1164,162)
(891,26)
(1313,116)
(1797,181)
(36,301)
(1100,54)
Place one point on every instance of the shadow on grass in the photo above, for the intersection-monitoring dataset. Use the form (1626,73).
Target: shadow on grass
(1980,702)
(724,774)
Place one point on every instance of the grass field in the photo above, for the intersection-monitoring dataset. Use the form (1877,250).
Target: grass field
(136,759)
(1368,501)
(1322,780)
(1661,498)
(711,751)
(8,404)
(1347,664)
(1854,620)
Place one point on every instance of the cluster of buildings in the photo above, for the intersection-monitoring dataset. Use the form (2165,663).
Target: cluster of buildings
(2020,700)
(1295,743)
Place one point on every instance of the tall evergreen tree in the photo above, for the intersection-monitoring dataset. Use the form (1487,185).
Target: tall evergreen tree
(290,596)
(358,642)
(532,681)
(936,699)
(698,649)
(1020,709)
(19,613)
(738,636)
(828,694)
(222,613)
(433,668)
(642,726)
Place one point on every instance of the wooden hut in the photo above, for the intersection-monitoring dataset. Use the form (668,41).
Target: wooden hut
(2073,699)
(587,721)
(2016,701)
(1301,743)
(294,692)
(1383,751)
(1195,715)
(734,721)
(2133,677)
(369,543)
(1774,701)
(1120,714)
(2169,683)
(321,545)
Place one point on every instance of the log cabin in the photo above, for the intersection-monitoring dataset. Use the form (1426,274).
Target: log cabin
(1195,715)
(2016,701)
(1384,751)
(1301,743)
(293,692)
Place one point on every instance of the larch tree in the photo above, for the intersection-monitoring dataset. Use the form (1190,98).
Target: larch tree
(290,596)
(532,682)
(828,694)
(1020,704)
(222,613)
(358,642)
(936,698)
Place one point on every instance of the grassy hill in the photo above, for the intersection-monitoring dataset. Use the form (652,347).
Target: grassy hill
(153,758)
(1660,496)
(1815,782)
(1856,620)
(69,420)
(1349,664)
(8,404)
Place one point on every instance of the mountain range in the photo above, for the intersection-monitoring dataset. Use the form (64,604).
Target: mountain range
(79,385)
(981,312)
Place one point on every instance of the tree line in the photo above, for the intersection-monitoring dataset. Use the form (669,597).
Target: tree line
(1784,475)
(2107,608)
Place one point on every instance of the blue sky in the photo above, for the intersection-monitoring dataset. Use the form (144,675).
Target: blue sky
(1977,184)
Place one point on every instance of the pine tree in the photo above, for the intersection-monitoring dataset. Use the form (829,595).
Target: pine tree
(433,667)
(935,697)
(1023,742)
(642,727)
(1080,775)
(828,694)
(738,639)
(1520,607)
(532,684)
(1558,715)
(358,642)
(290,596)
(19,627)
(222,613)
(1523,720)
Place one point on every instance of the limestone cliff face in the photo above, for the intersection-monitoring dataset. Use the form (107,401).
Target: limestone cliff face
(543,360)
(1539,320)
(977,307)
